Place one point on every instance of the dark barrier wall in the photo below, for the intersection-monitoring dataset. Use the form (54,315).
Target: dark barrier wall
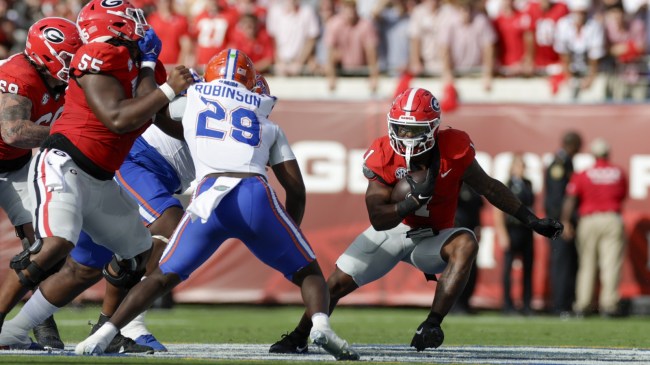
(330,138)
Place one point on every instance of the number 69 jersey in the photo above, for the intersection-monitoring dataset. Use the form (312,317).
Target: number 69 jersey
(227,132)
(18,76)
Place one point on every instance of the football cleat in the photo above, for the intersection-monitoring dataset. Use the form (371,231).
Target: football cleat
(151,341)
(427,335)
(333,344)
(47,334)
(290,343)
(119,345)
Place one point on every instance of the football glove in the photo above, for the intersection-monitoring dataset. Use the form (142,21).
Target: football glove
(427,335)
(422,191)
(548,227)
(150,46)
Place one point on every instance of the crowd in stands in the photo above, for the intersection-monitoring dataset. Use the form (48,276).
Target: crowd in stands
(568,41)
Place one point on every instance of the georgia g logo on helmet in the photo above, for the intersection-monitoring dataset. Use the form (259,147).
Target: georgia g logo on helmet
(435,105)
(111,3)
(53,35)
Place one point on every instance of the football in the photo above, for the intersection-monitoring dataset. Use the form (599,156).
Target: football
(402,187)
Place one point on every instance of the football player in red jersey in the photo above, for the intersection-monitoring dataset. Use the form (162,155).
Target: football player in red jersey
(418,230)
(32,87)
(109,103)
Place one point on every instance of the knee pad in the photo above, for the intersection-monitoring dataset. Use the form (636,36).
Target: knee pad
(128,272)
(20,233)
(22,262)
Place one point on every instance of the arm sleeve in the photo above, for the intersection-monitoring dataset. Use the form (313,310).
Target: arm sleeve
(177,108)
(281,150)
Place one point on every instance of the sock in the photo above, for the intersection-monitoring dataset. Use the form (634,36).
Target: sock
(34,312)
(136,327)
(106,332)
(320,320)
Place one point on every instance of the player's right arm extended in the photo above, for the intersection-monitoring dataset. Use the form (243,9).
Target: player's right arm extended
(106,98)
(15,125)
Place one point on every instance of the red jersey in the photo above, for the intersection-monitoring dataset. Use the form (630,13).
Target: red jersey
(170,32)
(600,188)
(543,25)
(456,155)
(510,31)
(259,48)
(212,33)
(18,76)
(79,124)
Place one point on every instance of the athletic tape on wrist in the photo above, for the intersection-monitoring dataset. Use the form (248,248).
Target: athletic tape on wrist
(148,64)
(168,91)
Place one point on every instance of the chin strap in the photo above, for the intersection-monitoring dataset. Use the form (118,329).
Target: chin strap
(407,156)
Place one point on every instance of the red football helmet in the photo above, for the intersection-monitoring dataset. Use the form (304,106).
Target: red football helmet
(233,65)
(413,122)
(101,20)
(52,42)
(261,86)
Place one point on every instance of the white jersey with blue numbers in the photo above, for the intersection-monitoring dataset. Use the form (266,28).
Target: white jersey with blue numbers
(174,151)
(226,132)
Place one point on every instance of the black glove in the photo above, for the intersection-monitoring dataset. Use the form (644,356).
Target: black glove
(548,227)
(422,191)
(427,335)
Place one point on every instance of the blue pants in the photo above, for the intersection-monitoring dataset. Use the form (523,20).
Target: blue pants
(251,213)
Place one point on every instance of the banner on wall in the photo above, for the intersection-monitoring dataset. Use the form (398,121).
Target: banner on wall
(329,139)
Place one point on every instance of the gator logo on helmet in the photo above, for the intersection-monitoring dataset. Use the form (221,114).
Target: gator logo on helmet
(53,35)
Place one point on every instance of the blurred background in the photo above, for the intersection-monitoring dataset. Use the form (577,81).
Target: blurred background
(515,74)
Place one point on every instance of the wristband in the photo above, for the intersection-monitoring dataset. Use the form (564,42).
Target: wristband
(525,215)
(168,91)
(407,206)
(148,64)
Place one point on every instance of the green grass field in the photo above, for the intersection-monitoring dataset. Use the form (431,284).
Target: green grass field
(264,325)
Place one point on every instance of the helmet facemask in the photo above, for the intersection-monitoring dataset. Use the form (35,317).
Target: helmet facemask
(134,15)
(410,138)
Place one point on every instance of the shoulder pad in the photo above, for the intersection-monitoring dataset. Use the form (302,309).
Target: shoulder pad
(100,57)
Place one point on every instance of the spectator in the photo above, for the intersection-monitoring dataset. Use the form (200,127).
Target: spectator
(351,45)
(544,15)
(319,62)
(580,43)
(294,27)
(467,43)
(7,29)
(515,238)
(468,215)
(515,45)
(212,30)
(252,39)
(392,20)
(243,7)
(424,32)
(625,42)
(564,259)
(598,193)
(173,31)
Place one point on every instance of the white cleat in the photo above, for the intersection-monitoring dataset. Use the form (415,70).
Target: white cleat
(97,343)
(333,344)
(88,348)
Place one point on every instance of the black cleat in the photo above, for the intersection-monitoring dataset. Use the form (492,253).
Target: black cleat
(291,343)
(47,334)
(427,335)
(123,345)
